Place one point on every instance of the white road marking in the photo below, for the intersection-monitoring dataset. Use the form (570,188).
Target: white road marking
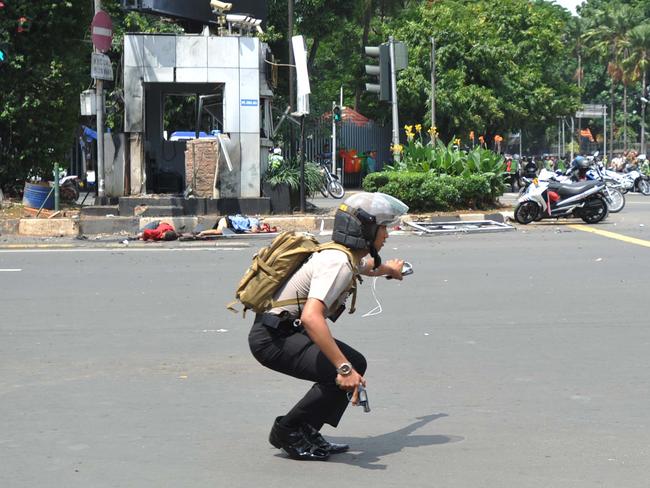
(10,270)
(122,250)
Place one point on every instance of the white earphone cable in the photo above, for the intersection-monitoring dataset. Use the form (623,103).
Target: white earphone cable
(378,309)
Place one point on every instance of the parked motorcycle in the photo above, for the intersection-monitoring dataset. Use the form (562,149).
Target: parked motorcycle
(640,181)
(331,183)
(632,179)
(553,199)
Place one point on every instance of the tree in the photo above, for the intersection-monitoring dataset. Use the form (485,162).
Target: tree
(608,37)
(41,82)
(501,65)
(638,62)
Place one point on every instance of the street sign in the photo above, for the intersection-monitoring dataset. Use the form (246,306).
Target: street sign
(102,31)
(101,67)
(591,111)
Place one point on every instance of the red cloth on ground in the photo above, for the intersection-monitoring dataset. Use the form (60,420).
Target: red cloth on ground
(157,233)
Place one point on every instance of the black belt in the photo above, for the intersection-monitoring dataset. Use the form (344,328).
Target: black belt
(286,325)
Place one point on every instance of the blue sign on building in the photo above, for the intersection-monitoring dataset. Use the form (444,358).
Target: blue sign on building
(249,102)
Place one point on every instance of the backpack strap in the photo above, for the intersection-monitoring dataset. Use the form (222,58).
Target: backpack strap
(288,301)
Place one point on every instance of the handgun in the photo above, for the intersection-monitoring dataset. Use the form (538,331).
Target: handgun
(363,398)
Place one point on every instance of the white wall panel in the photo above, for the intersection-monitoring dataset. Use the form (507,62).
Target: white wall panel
(250,165)
(249,100)
(223,52)
(249,52)
(191,75)
(133,100)
(191,52)
(133,51)
(160,51)
(230,77)
(158,75)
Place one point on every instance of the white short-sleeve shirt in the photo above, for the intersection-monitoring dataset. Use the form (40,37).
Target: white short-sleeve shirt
(325,276)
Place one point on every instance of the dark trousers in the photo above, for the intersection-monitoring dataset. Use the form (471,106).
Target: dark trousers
(294,354)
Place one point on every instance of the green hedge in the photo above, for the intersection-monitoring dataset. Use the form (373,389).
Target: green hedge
(432,192)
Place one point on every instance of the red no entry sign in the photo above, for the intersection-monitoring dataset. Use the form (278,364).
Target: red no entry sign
(102,31)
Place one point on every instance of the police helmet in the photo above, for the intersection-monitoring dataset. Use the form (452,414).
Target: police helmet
(358,218)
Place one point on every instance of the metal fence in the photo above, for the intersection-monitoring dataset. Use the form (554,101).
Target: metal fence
(366,138)
(370,137)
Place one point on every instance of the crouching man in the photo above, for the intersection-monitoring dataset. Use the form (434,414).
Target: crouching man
(295,339)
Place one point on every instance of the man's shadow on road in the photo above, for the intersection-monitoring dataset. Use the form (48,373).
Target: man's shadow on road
(367,452)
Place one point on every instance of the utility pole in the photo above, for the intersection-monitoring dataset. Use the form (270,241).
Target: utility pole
(393,82)
(433,82)
(563,137)
(580,92)
(609,161)
(292,142)
(333,140)
(559,144)
(644,102)
(101,192)
(571,139)
(303,203)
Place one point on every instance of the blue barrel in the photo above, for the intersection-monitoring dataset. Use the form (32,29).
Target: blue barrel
(35,195)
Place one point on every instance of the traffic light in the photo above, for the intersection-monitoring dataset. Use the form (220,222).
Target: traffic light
(336,113)
(381,71)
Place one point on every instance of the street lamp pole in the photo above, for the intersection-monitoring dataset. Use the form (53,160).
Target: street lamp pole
(393,82)
(644,102)
(433,82)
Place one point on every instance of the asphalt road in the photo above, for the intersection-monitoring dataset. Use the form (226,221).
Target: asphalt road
(516,359)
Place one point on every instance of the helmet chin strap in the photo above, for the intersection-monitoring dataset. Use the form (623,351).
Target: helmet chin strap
(375,256)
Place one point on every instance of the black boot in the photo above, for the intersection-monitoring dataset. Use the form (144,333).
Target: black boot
(295,444)
(319,441)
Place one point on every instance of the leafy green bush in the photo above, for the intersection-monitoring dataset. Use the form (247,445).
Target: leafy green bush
(436,176)
(289,173)
(432,192)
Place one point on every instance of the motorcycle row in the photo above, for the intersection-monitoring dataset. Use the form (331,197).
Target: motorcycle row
(587,190)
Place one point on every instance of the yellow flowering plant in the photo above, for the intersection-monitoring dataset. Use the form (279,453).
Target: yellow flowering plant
(434,155)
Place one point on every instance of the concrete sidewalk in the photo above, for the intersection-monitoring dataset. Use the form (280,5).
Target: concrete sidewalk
(31,232)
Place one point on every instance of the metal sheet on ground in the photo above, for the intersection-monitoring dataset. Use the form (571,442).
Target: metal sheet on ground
(466,227)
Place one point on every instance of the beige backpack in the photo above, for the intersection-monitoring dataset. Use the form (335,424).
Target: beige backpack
(272,266)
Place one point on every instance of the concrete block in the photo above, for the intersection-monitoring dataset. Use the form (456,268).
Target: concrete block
(245,206)
(167,211)
(297,223)
(99,211)
(189,206)
(496,217)
(109,225)
(48,227)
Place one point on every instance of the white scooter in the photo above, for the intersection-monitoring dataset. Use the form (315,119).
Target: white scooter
(549,198)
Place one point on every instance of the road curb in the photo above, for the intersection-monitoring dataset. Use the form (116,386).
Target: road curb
(48,227)
(116,226)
